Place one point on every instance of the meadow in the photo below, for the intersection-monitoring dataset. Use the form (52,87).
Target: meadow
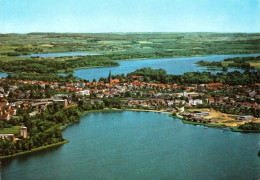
(115,46)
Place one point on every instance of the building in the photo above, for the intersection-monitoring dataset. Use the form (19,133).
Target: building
(194,102)
(7,136)
(84,92)
(4,116)
(23,131)
(63,102)
(109,78)
(246,117)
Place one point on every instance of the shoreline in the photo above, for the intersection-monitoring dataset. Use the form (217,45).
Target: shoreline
(35,149)
(232,128)
(137,59)
(147,110)
(235,129)
(55,144)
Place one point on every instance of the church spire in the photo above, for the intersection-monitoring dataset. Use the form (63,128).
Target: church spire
(110,78)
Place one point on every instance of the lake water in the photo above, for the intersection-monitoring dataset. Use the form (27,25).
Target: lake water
(51,55)
(177,66)
(141,145)
(3,75)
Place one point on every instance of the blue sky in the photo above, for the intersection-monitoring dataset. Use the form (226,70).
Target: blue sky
(23,16)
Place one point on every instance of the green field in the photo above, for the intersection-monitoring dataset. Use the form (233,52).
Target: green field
(115,46)
(131,45)
(13,130)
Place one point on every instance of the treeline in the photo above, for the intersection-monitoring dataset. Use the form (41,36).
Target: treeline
(230,109)
(250,126)
(46,127)
(238,62)
(231,78)
(51,77)
(23,51)
(44,65)
(209,63)
(43,129)
(242,59)
(242,62)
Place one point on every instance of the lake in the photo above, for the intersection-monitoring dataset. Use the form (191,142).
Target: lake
(177,66)
(3,75)
(52,55)
(141,145)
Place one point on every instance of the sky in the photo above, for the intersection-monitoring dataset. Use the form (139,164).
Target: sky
(95,16)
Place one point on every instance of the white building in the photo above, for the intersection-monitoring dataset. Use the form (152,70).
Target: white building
(194,102)
(23,131)
(84,92)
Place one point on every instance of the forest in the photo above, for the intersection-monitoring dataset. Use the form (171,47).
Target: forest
(231,78)
(51,77)
(250,126)
(56,65)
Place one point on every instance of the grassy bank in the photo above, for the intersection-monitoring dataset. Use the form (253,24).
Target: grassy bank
(35,149)
(233,128)
(100,110)
(236,129)
(198,123)
(203,124)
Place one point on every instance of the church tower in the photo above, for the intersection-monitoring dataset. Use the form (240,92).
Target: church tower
(110,78)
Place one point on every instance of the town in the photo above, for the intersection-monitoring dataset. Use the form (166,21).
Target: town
(194,102)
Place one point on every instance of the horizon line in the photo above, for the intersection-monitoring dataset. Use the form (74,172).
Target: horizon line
(133,32)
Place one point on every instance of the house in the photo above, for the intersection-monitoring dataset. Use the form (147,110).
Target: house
(245,105)
(246,117)
(199,114)
(84,92)
(194,102)
(7,136)
(114,81)
(201,87)
(99,95)
(211,100)
(193,94)
(4,116)
(214,86)
(170,103)
(140,78)
(4,101)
